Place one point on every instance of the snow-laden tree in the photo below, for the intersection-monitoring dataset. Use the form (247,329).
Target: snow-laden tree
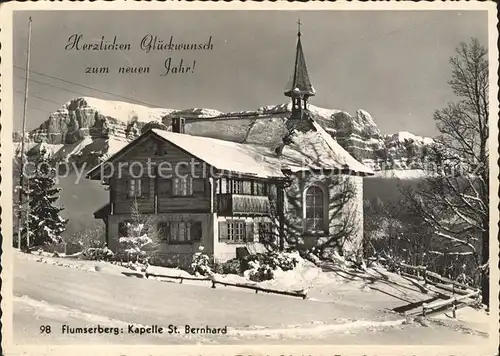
(454,199)
(44,224)
(141,236)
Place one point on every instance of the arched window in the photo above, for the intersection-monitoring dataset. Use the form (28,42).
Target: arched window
(315,209)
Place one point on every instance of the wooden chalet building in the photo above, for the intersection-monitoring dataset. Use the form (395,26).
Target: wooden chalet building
(224,195)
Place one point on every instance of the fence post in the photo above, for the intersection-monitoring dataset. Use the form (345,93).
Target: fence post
(213,284)
(425,275)
(424,307)
(454,308)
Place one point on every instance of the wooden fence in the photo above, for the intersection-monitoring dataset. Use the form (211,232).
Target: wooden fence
(467,294)
(429,277)
(180,278)
(452,303)
(300,294)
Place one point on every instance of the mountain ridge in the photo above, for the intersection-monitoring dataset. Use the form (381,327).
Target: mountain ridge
(88,129)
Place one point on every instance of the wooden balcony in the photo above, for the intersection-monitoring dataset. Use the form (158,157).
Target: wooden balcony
(240,204)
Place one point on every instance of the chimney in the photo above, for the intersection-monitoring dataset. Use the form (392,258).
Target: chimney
(178,125)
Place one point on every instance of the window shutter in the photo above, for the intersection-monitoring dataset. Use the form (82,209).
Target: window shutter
(164,187)
(249,233)
(174,186)
(206,187)
(122,229)
(223,233)
(164,231)
(196,230)
(127,185)
(198,186)
(189,185)
(145,187)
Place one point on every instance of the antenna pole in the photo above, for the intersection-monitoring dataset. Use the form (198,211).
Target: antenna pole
(21,177)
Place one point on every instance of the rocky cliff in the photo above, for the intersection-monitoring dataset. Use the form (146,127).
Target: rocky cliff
(90,129)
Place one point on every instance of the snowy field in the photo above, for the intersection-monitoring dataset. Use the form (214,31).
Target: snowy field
(340,309)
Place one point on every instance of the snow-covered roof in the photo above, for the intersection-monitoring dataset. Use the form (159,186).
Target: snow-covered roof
(318,150)
(231,157)
(315,149)
(227,156)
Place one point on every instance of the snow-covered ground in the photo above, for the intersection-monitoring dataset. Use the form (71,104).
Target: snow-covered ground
(342,308)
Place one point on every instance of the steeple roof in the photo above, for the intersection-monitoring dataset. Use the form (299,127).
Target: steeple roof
(300,77)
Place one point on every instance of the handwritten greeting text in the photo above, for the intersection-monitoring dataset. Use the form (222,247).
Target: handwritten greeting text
(148,44)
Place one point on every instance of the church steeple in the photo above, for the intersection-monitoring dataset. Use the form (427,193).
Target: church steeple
(299,83)
(299,87)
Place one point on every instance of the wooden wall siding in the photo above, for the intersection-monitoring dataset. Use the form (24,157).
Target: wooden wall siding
(187,204)
(159,152)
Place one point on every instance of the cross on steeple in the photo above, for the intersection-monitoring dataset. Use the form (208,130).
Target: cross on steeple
(299,86)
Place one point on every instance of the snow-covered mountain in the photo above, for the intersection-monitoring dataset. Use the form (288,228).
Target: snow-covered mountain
(90,130)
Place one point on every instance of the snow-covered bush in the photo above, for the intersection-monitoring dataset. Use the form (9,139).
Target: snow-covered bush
(259,272)
(98,254)
(283,260)
(232,266)
(218,267)
(200,264)
(262,266)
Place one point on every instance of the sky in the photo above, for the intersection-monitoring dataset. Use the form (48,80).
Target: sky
(393,64)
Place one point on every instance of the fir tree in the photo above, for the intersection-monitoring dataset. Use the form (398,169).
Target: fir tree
(44,223)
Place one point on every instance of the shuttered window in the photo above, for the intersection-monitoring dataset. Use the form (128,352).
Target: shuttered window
(134,188)
(138,188)
(182,186)
(180,231)
(236,231)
